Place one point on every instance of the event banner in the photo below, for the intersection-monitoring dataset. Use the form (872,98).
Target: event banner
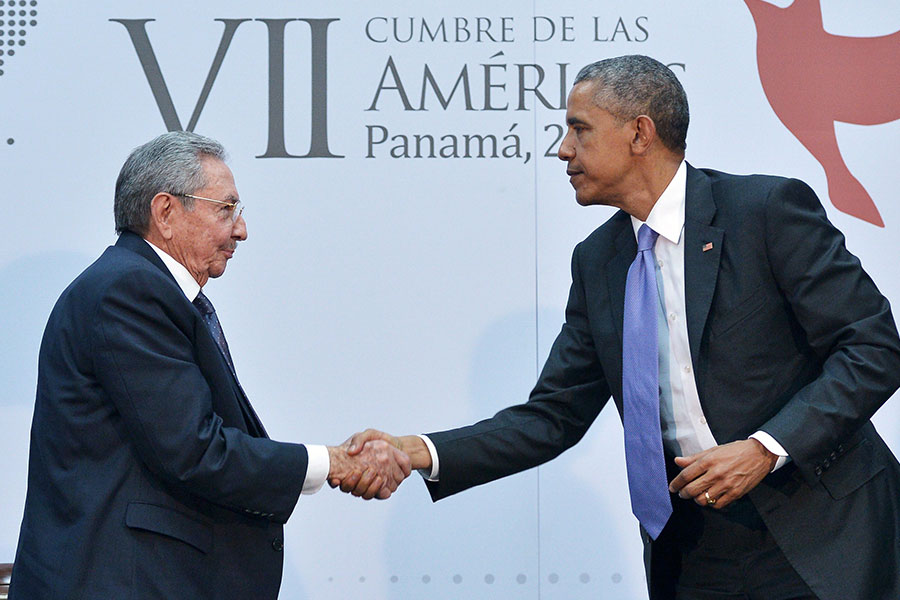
(410,229)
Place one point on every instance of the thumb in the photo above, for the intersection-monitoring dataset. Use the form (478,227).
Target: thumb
(358,440)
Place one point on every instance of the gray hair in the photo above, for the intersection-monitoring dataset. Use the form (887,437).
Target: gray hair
(172,163)
(633,85)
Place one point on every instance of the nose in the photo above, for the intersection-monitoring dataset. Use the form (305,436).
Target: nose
(239,229)
(566,150)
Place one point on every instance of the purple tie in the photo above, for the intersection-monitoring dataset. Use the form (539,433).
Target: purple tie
(650,499)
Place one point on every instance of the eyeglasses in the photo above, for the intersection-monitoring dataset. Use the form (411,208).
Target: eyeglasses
(235,207)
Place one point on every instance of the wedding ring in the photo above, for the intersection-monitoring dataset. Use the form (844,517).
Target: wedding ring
(709,500)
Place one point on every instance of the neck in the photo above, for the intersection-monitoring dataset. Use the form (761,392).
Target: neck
(650,181)
(157,239)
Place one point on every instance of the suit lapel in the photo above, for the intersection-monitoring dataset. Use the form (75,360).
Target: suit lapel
(617,270)
(702,253)
(254,425)
(134,242)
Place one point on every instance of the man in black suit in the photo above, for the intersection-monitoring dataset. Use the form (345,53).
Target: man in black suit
(150,475)
(773,347)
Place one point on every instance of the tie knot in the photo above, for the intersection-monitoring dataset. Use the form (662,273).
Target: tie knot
(646,238)
(203,304)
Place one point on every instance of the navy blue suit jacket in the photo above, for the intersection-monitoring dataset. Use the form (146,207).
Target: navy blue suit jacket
(149,473)
(787,335)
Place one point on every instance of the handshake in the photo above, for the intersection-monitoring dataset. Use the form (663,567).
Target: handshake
(372,464)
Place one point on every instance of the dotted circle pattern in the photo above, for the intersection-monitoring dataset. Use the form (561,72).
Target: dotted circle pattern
(11,36)
(490,578)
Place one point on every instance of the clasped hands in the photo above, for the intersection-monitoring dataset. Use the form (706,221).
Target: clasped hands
(371,464)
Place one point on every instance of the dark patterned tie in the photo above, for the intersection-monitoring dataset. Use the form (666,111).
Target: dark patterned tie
(212,321)
(650,499)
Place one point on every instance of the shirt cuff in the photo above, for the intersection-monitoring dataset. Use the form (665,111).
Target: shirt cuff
(317,468)
(772,446)
(435,470)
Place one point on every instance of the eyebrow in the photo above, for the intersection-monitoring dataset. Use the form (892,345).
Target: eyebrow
(575,121)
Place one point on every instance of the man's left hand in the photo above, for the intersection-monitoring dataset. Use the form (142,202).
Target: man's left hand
(719,476)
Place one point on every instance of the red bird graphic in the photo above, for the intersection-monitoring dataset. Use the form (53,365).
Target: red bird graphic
(813,78)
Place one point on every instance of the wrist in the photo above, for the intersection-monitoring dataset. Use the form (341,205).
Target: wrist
(415,448)
(769,456)
(336,458)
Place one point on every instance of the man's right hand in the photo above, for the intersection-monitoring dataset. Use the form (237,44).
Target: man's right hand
(372,471)
(359,443)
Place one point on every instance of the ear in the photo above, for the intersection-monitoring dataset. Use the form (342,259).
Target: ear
(162,209)
(644,134)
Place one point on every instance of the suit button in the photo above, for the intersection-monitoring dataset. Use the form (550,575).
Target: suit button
(833,456)
(277,544)
(818,471)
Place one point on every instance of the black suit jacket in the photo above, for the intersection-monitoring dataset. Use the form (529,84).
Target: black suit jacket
(787,335)
(149,474)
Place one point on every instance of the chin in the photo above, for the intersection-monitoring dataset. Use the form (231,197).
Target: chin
(584,200)
(216,271)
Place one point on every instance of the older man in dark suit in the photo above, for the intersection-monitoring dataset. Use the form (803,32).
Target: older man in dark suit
(150,475)
(745,349)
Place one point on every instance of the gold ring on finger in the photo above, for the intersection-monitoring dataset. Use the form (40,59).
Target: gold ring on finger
(709,499)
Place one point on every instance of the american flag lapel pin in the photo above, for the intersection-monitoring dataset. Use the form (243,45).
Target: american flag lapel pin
(707,246)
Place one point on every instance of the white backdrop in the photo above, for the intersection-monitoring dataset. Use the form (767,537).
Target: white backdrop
(409,293)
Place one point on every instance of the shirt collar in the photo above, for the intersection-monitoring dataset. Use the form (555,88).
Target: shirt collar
(667,216)
(182,276)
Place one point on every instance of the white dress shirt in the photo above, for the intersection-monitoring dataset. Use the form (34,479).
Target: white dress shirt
(318,462)
(684,427)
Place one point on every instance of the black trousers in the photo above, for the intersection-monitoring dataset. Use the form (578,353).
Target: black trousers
(724,554)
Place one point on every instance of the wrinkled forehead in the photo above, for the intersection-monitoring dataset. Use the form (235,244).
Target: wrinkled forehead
(218,179)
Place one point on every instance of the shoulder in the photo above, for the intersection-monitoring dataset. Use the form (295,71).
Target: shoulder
(752,186)
(115,266)
(605,239)
(741,197)
(749,187)
(120,275)
(120,289)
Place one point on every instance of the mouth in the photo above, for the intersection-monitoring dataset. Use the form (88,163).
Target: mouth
(572,175)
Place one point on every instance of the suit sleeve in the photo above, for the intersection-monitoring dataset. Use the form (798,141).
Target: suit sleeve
(571,391)
(847,322)
(145,362)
